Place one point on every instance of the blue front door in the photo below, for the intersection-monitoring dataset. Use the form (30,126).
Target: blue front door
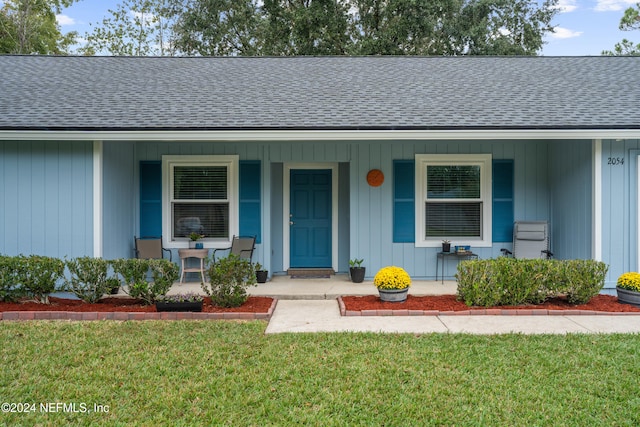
(310,218)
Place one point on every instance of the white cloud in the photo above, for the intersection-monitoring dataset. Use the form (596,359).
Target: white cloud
(567,6)
(65,20)
(613,5)
(565,33)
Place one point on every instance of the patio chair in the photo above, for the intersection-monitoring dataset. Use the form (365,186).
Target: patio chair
(241,246)
(530,240)
(150,248)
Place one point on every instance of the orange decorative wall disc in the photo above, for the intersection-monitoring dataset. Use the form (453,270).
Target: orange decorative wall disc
(375,177)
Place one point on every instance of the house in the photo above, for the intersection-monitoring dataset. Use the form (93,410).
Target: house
(325,159)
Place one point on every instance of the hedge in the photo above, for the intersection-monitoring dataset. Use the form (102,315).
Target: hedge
(509,281)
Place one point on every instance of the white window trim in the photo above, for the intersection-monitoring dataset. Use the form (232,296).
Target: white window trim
(485,163)
(232,163)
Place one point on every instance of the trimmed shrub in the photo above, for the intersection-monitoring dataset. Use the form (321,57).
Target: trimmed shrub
(10,289)
(583,279)
(509,281)
(38,275)
(229,278)
(88,279)
(134,272)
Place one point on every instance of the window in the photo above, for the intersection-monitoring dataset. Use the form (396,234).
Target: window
(453,199)
(200,195)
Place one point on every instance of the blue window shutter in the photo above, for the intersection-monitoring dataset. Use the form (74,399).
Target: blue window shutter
(502,201)
(250,203)
(404,215)
(150,198)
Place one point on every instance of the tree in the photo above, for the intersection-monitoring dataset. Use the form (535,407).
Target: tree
(135,27)
(325,27)
(629,22)
(306,27)
(220,27)
(456,27)
(30,27)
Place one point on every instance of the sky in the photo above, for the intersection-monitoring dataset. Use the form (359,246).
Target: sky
(583,27)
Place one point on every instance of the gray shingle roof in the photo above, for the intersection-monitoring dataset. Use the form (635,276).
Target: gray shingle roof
(138,93)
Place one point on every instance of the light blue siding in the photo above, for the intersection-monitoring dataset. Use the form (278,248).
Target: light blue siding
(620,200)
(119,206)
(552,179)
(46,191)
(571,191)
(371,235)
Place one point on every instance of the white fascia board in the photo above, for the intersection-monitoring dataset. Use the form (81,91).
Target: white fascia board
(316,135)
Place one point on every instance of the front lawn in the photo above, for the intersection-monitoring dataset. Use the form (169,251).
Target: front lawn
(230,373)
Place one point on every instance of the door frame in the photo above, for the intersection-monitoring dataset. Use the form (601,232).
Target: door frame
(286,192)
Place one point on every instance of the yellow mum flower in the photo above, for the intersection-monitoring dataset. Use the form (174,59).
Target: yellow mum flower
(392,278)
(629,281)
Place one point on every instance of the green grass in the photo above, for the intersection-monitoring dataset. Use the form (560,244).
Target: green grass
(230,373)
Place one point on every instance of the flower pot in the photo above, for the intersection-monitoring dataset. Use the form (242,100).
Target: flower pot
(393,295)
(115,290)
(357,274)
(626,296)
(193,244)
(262,275)
(446,247)
(179,306)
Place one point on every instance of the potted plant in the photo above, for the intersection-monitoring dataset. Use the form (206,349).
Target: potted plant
(180,302)
(628,288)
(356,270)
(114,285)
(194,243)
(392,283)
(261,275)
(446,246)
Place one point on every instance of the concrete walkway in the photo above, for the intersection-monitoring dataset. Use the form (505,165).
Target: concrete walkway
(309,305)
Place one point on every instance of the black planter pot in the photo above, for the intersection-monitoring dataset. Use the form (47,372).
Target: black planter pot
(357,274)
(114,291)
(262,275)
(446,247)
(179,306)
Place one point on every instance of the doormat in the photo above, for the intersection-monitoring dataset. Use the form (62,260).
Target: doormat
(313,276)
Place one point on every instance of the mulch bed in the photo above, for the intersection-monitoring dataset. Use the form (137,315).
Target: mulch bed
(372,305)
(130,305)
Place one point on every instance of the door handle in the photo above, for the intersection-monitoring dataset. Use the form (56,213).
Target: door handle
(290,222)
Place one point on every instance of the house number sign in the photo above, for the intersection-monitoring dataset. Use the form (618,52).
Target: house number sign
(615,161)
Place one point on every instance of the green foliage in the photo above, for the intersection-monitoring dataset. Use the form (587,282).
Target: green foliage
(220,28)
(30,27)
(630,21)
(9,284)
(583,279)
(88,280)
(134,272)
(135,27)
(323,27)
(509,281)
(356,263)
(37,275)
(229,278)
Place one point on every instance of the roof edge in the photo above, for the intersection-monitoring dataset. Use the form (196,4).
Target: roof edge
(262,135)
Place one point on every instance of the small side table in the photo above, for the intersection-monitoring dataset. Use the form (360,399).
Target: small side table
(459,255)
(200,254)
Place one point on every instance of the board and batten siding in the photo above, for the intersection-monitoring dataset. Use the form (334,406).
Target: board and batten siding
(571,187)
(372,207)
(118,192)
(620,198)
(46,192)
